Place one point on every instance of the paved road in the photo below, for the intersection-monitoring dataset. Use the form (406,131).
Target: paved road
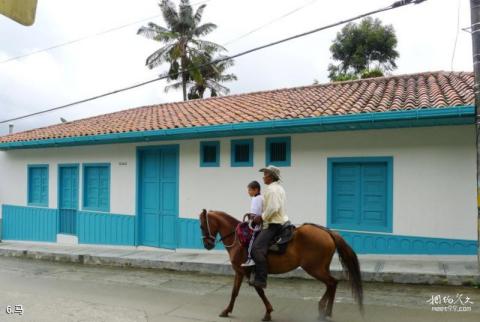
(67,292)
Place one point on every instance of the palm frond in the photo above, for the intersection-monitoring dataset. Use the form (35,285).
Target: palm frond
(149,31)
(157,33)
(196,55)
(186,21)
(197,17)
(166,37)
(169,13)
(159,57)
(227,78)
(195,73)
(204,29)
(173,71)
(217,87)
(208,46)
(224,64)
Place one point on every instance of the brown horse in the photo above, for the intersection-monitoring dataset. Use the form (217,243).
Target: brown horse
(311,248)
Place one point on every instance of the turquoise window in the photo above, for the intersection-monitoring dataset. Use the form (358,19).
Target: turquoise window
(38,185)
(242,153)
(360,193)
(278,151)
(96,187)
(210,154)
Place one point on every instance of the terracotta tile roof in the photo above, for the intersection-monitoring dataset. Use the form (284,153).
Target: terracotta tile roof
(403,92)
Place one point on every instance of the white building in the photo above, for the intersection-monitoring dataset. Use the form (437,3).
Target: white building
(389,162)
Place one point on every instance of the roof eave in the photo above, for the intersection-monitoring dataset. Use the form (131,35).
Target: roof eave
(456,115)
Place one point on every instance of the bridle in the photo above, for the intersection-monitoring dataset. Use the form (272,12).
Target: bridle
(215,241)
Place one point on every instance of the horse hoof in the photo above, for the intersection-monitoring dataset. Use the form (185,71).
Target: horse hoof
(224,314)
(267,318)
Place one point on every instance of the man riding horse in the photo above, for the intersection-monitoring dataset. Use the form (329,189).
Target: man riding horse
(272,219)
(311,248)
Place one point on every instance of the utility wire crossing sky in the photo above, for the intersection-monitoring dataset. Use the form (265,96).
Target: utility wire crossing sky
(394,5)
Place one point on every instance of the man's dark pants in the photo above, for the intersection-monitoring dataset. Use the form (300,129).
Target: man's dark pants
(260,249)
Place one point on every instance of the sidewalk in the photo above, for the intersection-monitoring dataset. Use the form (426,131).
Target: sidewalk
(416,269)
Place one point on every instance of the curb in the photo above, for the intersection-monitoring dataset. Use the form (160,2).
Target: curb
(225,268)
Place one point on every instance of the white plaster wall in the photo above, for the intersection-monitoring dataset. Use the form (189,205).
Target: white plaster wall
(13,172)
(434,176)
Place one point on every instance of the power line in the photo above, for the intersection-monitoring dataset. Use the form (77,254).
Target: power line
(269,23)
(395,5)
(456,36)
(73,41)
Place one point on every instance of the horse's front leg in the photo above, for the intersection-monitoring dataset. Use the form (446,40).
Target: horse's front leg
(268,306)
(236,288)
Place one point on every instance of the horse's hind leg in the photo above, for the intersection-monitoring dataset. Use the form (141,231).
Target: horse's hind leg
(268,306)
(333,289)
(325,305)
(236,288)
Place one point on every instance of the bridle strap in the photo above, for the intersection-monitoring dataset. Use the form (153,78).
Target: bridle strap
(215,241)
(226,236)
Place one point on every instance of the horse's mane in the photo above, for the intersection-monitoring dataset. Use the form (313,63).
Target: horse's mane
(231,220)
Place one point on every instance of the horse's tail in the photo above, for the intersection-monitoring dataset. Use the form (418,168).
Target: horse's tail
(351,266)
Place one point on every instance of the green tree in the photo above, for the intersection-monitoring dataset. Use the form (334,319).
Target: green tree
(213,74)
(366,49)
(181,40)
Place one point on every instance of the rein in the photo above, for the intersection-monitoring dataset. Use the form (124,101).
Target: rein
(215,241)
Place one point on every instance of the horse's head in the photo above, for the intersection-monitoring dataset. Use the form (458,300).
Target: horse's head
(209,228)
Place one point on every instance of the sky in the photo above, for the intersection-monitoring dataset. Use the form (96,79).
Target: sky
(426,40)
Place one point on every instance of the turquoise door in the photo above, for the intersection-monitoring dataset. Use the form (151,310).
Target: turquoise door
(158,196)
(360,195)
(68,198)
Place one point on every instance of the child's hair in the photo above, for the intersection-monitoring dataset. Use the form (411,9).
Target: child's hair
(254,185)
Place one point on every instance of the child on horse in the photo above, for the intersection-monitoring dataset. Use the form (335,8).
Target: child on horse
(256,209)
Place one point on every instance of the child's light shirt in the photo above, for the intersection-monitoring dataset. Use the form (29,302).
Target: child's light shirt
(256,206)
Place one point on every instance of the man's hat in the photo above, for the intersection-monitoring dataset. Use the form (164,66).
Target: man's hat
(272,170)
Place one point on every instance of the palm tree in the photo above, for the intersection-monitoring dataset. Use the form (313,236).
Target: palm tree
(212,72)
(181,41)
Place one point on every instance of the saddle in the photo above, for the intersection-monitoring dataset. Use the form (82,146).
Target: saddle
(279,243)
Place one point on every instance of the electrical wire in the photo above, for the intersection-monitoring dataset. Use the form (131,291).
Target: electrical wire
(73,41)
(395,5)
(269,23)
(456,36)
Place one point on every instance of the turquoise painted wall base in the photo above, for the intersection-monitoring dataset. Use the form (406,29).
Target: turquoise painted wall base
(29,223)
(41,224)
(372,243)
(105,228)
